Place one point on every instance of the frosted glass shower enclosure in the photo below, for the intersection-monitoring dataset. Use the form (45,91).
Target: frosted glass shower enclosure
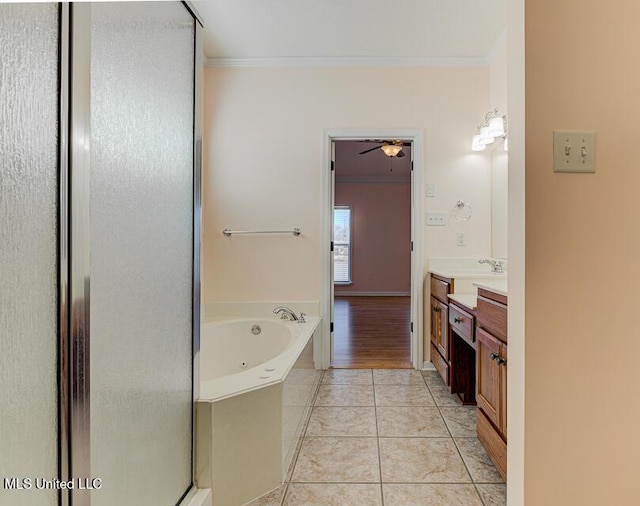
(99,251)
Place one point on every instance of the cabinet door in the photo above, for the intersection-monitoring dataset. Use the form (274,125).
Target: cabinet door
(440,327)
(503,390)
(488,376)
(435,320)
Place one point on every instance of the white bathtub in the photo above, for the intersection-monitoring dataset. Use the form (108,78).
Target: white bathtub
(233,360)
(256,392)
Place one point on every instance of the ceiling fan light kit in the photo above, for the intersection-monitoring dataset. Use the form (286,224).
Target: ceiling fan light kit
(389,148)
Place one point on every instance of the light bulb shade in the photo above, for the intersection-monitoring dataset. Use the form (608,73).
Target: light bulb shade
(496,127)
(391,149)
(485,137)
(475,144)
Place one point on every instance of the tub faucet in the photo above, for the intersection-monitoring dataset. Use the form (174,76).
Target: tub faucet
(286,314)
(496,265)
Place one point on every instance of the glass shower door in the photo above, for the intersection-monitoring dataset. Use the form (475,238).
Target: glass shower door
(99,252)
(141,244)
(28,252)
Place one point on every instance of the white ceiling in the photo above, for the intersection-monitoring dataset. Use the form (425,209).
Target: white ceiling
(253,29)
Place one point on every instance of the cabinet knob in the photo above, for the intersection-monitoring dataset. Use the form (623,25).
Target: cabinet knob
(457,320)
(494,356)
(436,309)
(502,361)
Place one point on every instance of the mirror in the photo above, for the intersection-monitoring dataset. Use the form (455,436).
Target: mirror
(499,201)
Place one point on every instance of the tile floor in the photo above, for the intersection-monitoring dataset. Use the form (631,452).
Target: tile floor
(392,437)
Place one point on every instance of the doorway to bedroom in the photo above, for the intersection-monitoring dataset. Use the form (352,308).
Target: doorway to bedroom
(372,254)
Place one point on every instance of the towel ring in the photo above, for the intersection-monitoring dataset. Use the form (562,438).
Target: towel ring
(462,211)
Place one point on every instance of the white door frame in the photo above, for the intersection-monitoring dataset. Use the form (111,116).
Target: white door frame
(417,232)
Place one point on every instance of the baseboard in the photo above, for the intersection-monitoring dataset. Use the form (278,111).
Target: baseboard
(198,497)
(372,294)
(428,366)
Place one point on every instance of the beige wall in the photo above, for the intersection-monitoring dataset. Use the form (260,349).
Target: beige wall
(582,252)
(262,164)
(499,157)
(498,77)
(516,240)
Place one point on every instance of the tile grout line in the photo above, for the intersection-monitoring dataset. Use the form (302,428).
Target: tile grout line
(375,412)
(480,495)
(378,438)
(390,482)
(475,483)
(294,460)
(457,449)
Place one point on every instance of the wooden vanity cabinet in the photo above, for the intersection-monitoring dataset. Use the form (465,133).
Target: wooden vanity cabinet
(440,288)
(491,376)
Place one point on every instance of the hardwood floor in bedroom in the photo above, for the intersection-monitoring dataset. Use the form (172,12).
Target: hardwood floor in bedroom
(372,332)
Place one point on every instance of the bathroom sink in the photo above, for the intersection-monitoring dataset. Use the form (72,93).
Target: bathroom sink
(476,274)
(469,273)
(465,284)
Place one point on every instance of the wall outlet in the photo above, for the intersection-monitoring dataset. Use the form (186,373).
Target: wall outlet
(431,189)
(460,239)
(437,219)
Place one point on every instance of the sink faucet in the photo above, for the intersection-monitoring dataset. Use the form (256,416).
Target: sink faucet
(286,314)
(496,265)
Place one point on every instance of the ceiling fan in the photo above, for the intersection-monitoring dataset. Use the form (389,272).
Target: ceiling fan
(390,148)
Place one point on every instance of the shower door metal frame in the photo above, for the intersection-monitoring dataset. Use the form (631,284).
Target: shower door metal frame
(74,460)
(64,403)
(198,87)
(79,166)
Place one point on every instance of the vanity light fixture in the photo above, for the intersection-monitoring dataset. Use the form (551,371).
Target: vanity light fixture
(496,126)
(485,136)
(493,126)
(476,145)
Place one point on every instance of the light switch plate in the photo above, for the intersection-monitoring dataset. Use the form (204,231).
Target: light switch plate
(431,189)
(437,219)
(574,151)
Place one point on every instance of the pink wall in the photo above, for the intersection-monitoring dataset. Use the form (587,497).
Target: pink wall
(381,236)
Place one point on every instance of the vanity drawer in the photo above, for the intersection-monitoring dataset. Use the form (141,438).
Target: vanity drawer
(492,316)
(462,323)
(440,289)
(441,364)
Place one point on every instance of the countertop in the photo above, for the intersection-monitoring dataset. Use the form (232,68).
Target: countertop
(470,301)
(466,273)
(498,286)
(467,281)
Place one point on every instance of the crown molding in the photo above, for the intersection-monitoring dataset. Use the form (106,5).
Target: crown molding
(341,62)
(501,43)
